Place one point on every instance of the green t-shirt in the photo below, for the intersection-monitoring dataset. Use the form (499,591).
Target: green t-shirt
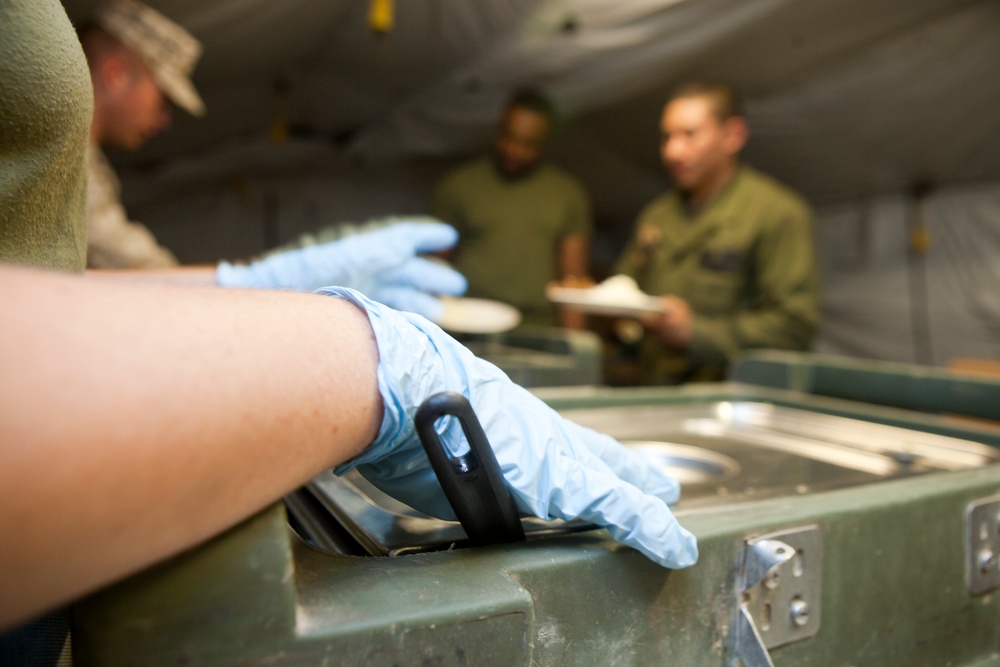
(746,265)
(510,231)
(46,105)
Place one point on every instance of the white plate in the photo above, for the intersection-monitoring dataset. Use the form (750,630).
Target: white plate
(589,301)
(477,315)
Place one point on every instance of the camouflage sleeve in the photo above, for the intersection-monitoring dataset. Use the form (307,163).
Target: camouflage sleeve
(114,241)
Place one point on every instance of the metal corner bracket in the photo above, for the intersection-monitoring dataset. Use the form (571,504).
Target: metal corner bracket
(778,584)
(982,545)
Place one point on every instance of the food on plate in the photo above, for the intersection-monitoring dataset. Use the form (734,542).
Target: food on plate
(619,289)
(618,296)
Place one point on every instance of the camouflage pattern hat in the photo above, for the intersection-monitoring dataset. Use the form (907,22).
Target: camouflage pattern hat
(169,50)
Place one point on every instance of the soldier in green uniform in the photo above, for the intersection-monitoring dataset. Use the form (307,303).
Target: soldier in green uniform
(140,64)
(522,222)
(730,249)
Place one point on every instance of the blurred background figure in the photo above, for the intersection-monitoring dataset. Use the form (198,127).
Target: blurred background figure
(140,63)
(730,249)
(522,222)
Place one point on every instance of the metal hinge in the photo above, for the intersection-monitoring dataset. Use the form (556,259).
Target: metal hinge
(779,585)
(982,545)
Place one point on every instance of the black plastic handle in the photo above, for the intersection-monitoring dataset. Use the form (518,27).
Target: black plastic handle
(473,483)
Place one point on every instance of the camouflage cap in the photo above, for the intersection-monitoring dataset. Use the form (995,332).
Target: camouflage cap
(170,51)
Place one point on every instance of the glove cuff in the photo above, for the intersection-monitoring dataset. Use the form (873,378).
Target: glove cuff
(233,275)
(397,425)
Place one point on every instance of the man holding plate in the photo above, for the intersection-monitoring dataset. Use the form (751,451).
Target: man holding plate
(729,249)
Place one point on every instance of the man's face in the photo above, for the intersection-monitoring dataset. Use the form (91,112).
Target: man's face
(520,141)
(696,146)
(137,107)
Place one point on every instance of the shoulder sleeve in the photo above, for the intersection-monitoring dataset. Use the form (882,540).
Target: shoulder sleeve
(788,273)
(114,241)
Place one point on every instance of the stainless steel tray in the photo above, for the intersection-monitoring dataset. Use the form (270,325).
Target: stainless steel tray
(722,452)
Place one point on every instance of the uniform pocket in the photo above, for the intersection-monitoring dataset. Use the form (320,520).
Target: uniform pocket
(715,292)
(722,259)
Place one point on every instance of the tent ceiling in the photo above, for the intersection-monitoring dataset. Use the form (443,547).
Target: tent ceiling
(845,99)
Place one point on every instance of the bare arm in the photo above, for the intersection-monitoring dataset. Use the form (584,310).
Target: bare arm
(573,257)
(574,270)
(137,420)
(189,276)
(674,327)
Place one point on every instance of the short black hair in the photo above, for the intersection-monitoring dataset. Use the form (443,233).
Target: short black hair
(533,99)
(726,100)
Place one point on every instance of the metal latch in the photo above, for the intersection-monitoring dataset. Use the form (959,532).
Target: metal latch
(982,545)
(779,584)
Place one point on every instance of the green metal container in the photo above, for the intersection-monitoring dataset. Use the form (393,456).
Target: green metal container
(849,533)
(535,356)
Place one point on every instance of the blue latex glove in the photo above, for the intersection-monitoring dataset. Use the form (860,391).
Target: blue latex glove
(555,468)
(382,264)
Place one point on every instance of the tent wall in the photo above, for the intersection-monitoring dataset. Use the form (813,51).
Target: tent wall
(913,277)
(886,294)
(883,114)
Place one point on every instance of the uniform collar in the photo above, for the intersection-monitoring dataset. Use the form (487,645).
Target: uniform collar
(706,222)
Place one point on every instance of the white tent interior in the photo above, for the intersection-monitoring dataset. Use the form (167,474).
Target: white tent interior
(885,114)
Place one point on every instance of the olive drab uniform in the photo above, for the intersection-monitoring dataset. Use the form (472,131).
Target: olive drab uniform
(746,265)
(510,231)
(46,102)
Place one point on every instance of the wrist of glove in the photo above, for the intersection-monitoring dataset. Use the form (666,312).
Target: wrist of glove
(554,467)
(382,264)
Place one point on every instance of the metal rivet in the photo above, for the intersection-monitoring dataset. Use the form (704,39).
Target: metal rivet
(987,561)
(799,612)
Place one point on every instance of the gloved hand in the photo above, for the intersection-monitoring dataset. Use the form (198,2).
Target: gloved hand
(555,468)
(382,264)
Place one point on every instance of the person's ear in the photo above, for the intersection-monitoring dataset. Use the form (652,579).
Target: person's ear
(114,73)
(737,133)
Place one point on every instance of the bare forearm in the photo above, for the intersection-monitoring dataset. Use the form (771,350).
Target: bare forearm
(136,420)
(573,257)
(573,271)
(188,276)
